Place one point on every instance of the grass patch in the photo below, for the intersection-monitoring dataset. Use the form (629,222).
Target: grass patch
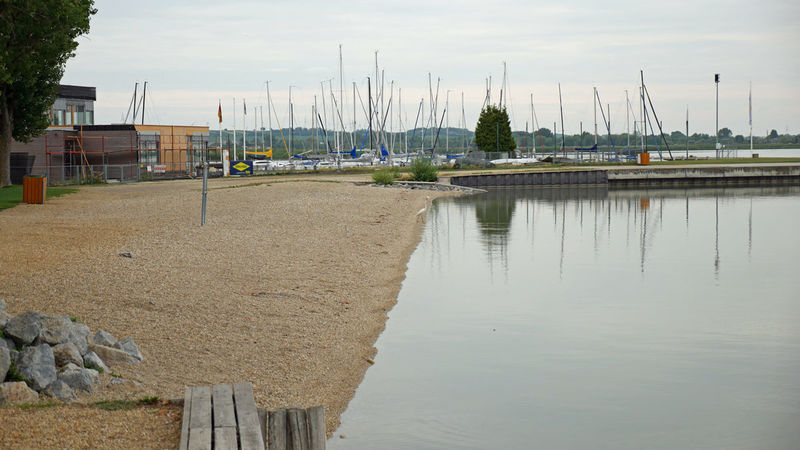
(27,406)
(115,375)
(124,405)
(383,177)
(73,318)
(11,196)
(13,374)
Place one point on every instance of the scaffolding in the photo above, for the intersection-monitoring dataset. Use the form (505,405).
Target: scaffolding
(100,155)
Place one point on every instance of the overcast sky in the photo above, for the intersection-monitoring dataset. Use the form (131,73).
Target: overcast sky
(193,53)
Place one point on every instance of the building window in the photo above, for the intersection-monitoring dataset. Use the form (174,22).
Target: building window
(58,117)
(149,145)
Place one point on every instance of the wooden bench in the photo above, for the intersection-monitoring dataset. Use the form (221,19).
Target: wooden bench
(225,416)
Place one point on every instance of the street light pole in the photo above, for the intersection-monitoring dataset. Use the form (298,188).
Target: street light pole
(716,129)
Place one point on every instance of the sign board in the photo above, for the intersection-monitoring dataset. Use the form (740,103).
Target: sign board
(159,168)
(241,167)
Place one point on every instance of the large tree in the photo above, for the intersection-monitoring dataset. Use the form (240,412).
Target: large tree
(37,37)
(493,131)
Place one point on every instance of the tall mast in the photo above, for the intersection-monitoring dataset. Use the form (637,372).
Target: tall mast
(369,103)
(354,113)
(533,129)
(561,107)
(313,122)
(447,131)
(341,97)
(750,115)
(144,97)
(463,125)
(291,125)
(594,99)
(269,116)
(627,120)
(135,88)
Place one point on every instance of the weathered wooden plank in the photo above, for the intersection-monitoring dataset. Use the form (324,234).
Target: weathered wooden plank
(247,416)
(298,430)
(222,399)
(250,438)
(201,408)
(225,438)
(277,430)
(199,438)
(316,428)
(263,417)
(187,414)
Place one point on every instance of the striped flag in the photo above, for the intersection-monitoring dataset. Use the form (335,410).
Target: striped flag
(219,111)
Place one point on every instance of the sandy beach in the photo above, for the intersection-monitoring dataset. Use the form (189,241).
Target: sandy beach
(287,287)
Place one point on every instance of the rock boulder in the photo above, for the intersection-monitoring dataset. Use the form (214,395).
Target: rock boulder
(17,392)
(67,353)
(79,378)
(92,361)
(61,391)
(103,337)
(128,345)
(78,334)
(37,366)
(5,361)
(24,328)
(55,330)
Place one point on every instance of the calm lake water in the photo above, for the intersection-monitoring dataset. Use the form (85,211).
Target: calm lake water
(588,318)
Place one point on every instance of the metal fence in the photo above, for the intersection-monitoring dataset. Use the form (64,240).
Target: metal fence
(66,174)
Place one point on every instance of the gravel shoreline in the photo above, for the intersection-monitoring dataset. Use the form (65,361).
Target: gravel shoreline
(287,286)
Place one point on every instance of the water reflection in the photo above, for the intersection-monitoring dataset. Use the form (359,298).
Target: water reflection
(592,318)
(640,212)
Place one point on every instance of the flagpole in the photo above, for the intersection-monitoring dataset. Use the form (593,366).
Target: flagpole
(234,128)
(244,131)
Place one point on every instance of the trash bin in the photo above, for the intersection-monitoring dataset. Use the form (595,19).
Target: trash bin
(21,165)
(34,189)
(643,159)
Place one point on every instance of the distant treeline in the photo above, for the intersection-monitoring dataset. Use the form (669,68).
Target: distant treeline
(457,140)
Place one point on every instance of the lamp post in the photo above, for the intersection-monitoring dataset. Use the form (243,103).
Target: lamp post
(716,129)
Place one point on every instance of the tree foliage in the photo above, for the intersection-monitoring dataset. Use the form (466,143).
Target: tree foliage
(493,130)
(37,37)
(725,132)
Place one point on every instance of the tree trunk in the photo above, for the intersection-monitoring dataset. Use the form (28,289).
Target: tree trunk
(5,144)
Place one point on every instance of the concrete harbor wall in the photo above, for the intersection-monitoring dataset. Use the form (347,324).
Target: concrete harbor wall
(641,176)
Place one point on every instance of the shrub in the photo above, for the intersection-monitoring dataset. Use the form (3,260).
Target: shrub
(423,170)
(383,176)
